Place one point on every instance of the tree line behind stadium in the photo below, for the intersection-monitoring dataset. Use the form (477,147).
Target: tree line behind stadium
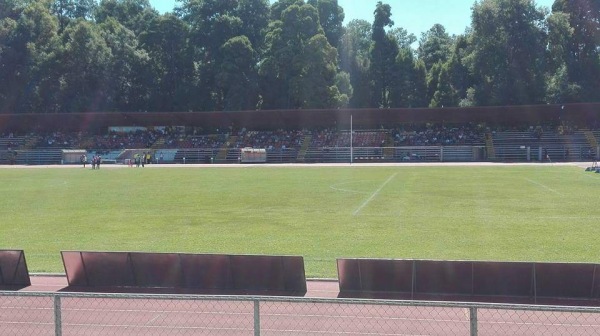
(82,56)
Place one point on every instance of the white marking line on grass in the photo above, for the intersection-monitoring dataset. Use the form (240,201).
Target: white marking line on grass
(544,186)
(373,195)
(336,187)
(587,174)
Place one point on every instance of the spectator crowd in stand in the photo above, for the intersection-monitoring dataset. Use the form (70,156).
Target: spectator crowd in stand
(280,139)
(438,135)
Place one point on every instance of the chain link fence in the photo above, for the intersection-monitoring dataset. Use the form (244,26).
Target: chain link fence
(59,314)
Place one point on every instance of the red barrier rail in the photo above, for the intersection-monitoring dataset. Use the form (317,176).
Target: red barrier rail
(574,284)
(13,270)
(184,273)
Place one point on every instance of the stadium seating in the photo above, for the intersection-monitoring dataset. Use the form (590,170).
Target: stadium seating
(424,142)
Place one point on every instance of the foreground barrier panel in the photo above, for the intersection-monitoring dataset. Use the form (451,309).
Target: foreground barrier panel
(13,270)
(574,284)
(184,273)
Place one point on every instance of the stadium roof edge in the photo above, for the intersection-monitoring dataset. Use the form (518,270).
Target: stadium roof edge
(582,113)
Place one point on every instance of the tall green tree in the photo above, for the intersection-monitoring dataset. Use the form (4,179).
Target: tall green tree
(28,49)
(86,60)
(509,46)
(582,58)
(355,60)
(445,94)
(433,80)
(560,34)
(299,62)
(212,22)
(235,27)
(316,87)
(458,66)
(560,88)
(68,10)
(401,88)
(331,17)
(127,83)
(382,56)
(279,6)
(135,15)
(12,8)
(345,88)
(255,19)
(434,46)
(403,37)
(9,58)
(167,43)
(237,79)
(419,96)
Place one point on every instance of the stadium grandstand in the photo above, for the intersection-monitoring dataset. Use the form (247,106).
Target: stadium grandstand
(503,134)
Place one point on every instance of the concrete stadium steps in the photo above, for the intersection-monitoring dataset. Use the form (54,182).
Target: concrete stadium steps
(88,143)
(489,145)
(577,145)
(508,146)
(223,153)
(512,146)
(127,154)
(12,142)
(49,156)
(6,157)
(29,142)
(191,155)
(302,151)
(288,155)
(159,143)
(396,154)
(232,155)
(168,155)
(591,138)
(327,155)
(366,138)
(388,153)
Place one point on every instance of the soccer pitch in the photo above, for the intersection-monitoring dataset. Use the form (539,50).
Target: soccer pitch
(516,213)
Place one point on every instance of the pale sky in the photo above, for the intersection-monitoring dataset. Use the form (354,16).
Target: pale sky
(416,16)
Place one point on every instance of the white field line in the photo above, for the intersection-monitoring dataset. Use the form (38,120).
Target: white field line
(587,174)
(336,187)
(373,195)
(544,186)
(515,217)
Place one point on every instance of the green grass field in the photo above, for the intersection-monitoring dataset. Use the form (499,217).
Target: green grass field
(533,213)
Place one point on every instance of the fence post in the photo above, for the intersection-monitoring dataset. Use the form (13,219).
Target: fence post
(57,316)
(256,318)
(473,320)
